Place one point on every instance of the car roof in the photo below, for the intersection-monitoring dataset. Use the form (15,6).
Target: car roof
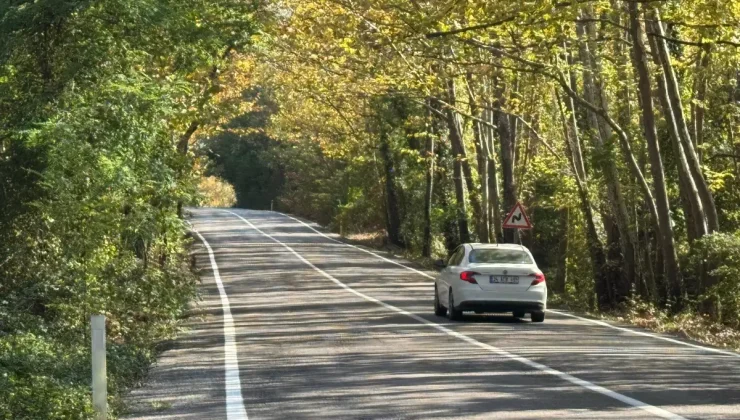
(496,246)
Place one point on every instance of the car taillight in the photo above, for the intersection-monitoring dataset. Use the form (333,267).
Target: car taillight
(538,278)
(468,276)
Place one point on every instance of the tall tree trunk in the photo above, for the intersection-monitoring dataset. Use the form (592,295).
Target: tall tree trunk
(508,155)
(457,176)
(696,219)
(182,147)
(624,117)
(494,205)
(668,246)
(710,209)
(393,224)
(507,141)
(481,145)
(595,93)
(183,144)
(462,216)
(426,249)
(595,247)
(734,98)
(621,35)
(442,183)
(561,275)
(482,156)
(458,147)
(697,109)
(572,120)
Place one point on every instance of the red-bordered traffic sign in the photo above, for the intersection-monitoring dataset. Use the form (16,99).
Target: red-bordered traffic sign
(517,218)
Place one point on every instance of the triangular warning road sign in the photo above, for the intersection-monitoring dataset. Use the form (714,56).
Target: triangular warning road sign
(517,218)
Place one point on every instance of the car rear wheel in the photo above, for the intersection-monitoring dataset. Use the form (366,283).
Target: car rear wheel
(452,313)
(518,314)
(538,316)
(439,310)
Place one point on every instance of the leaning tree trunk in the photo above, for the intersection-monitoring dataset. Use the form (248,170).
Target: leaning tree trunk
(689,191)
(710,209)
(668,247)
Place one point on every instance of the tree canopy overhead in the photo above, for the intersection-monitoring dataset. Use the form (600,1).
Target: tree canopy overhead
(614,122)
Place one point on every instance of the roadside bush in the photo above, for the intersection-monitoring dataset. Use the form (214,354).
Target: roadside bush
(216,192)
(101,236)
(42,378)
(94,131)
(714,266)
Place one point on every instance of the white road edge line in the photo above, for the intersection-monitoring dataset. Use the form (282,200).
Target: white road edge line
(646,334)
(234,402)
(538,366)
(592,321)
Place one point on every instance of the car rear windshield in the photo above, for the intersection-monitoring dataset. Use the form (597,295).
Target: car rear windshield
(499,256)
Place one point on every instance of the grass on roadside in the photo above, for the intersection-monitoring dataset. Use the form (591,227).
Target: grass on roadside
(687,324)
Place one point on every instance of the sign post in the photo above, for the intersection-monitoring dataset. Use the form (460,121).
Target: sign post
(99,374)
(517,219)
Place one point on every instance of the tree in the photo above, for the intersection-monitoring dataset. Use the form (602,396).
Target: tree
(515,87)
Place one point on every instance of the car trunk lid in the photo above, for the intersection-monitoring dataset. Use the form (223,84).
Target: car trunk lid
(504,278)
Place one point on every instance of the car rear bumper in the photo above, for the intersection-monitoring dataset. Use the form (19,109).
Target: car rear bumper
(500,306)
(473,299)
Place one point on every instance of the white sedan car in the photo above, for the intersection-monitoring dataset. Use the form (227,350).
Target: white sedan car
(490,278)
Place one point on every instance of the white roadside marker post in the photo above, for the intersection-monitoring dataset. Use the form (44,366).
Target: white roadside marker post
(99,374)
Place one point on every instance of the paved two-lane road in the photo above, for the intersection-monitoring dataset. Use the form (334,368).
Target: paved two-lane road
(305,326)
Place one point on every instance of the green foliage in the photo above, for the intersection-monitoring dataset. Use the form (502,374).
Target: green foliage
(687,323)
(216,193)
(715,259)
(358,89)
(42,379)
(93,95)
(244,155)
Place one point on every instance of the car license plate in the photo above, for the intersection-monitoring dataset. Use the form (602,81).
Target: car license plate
(505,279)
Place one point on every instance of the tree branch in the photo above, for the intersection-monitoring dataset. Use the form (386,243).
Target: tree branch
(694,43)
(473,28)
(724,155)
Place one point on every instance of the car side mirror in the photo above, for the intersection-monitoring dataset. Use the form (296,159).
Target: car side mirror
(440,264)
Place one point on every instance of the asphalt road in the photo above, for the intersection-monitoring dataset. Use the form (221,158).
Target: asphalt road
(305,326)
